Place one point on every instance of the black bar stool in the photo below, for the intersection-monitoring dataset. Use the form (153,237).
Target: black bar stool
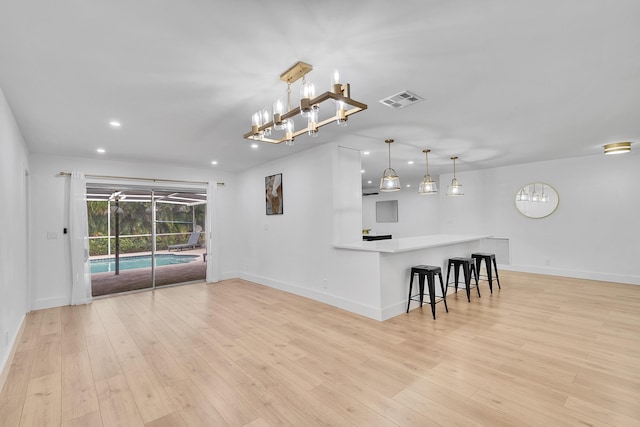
(430,272)
(468,266)
(488,260)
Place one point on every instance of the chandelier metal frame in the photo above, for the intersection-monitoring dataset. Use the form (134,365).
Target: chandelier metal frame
(339,92)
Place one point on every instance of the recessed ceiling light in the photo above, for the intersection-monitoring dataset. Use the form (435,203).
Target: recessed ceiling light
(254,146)
(366,153)
(361,170)
(369,182)
(410,162)
(101,150)
(214,162)
(408,185)
(115,124)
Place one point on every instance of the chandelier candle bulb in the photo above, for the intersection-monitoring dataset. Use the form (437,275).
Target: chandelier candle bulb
(289,132)
(341,114)
(312,124)
(278,109)
(266,118)
(308,93)
(336,86)
(256,122)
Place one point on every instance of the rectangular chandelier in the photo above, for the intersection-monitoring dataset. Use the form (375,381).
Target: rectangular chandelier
(265,122)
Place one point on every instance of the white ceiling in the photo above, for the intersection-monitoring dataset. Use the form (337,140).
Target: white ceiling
(504,82)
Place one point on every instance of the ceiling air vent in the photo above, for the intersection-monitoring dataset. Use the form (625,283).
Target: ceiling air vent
(401,99)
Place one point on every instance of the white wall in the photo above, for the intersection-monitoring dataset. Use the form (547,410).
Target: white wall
(51,284)
(594,233)
(293,251)
(13,230)
(417,215)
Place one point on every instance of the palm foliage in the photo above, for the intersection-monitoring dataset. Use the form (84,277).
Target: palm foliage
(174,223)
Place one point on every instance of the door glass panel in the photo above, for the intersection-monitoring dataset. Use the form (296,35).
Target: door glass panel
(120,240)
(180,241)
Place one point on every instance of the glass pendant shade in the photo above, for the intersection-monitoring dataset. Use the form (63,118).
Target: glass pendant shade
(544,197)
(390,180)
(455,188)
(427,186)
(523,196)
(535,197)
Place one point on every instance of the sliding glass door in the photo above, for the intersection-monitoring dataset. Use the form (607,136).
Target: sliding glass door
(142,237)
(180,252)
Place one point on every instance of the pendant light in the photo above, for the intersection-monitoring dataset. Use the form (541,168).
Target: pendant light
(544,197)
(523,196)
(427,186)
(455,188)
(390,180)
(535,197)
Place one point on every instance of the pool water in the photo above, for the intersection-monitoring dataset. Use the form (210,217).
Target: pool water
(140,261)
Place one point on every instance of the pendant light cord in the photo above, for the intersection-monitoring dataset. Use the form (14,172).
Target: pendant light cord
(426,155)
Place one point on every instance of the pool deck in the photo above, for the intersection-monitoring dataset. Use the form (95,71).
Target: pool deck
(140,278)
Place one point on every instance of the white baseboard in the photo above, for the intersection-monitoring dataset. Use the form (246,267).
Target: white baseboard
(41,304)
(589,275)
(229,275)
(395,310)
(7,359)
(351,306)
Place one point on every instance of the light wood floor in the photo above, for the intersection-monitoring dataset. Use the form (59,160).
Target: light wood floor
(543,351)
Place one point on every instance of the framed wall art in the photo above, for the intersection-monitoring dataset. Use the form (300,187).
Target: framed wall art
(273,194)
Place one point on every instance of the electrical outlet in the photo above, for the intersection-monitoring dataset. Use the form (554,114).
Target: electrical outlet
(6,338)
(325,283)
(547,261)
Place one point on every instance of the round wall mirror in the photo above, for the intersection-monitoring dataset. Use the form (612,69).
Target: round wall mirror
(537,200)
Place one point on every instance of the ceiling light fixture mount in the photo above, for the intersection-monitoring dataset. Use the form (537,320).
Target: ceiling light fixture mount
(264,121)
(390,180)
(428,185)
(617,148)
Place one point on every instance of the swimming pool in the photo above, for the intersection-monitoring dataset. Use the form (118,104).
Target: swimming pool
(139,261)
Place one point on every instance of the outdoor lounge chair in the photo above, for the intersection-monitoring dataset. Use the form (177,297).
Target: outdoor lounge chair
(191,244)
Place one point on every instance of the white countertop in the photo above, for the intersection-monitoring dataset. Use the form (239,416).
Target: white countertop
(404,244)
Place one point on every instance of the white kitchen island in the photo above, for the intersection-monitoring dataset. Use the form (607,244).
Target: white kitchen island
(390,262)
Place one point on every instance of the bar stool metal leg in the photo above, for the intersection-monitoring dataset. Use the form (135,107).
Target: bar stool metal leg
(467,280)
(444,292)
(432,294)
(495,265)
(475,275)
(410,289)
